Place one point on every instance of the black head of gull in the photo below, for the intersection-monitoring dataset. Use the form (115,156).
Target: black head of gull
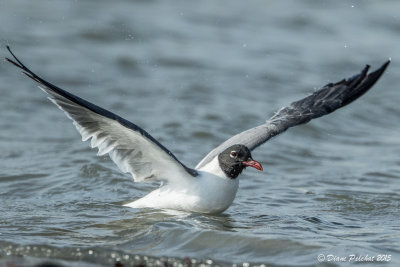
(236,158)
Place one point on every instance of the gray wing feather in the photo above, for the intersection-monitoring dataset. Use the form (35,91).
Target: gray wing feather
(129,146)
(322,102)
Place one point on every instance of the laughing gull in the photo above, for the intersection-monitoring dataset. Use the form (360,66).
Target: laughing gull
(211,186)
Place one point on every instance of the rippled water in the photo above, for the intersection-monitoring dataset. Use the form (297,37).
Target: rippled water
(193,74)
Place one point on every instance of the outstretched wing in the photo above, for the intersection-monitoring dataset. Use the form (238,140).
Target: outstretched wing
(324,101)
(129,146)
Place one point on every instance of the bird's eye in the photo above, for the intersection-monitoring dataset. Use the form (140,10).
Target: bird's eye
(233,154)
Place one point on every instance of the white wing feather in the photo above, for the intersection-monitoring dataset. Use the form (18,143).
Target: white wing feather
(129,149)
(133,149)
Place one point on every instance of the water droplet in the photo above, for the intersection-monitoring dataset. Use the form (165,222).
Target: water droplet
(129,37)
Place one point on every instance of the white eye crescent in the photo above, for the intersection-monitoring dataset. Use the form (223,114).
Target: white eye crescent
(233,154)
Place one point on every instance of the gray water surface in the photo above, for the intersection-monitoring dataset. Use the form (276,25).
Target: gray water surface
(193,74)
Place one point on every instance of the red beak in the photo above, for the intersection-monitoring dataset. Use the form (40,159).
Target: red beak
(254,164)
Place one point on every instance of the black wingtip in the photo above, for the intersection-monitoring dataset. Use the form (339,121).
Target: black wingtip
(25,70)
(385,65)
(375,75)
(364,82)
(9,50)
(18,63)
(13,62)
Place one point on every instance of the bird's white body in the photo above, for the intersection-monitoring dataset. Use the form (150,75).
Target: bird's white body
(210,192)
